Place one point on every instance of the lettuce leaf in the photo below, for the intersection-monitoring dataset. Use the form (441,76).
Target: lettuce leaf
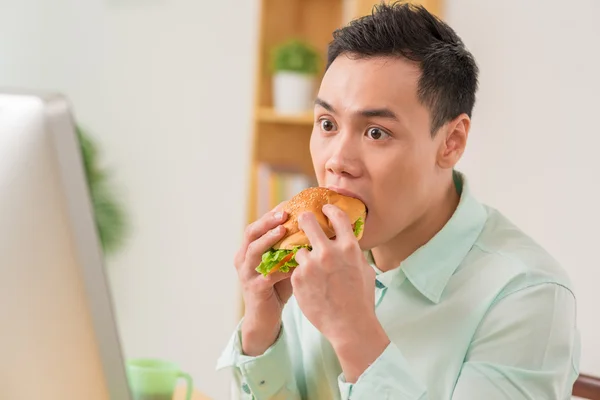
(272,257)
(358,226)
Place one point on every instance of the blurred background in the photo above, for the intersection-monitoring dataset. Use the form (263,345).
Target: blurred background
(187,104)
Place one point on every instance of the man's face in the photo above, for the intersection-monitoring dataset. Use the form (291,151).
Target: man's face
(372,138)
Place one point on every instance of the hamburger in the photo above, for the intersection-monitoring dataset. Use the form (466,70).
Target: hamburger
(280,257)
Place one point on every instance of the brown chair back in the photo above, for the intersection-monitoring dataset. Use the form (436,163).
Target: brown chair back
(587,387)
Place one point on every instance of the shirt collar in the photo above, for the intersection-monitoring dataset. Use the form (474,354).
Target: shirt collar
(430,267)
(394,276)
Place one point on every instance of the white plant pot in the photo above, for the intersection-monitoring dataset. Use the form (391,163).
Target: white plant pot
(293,93)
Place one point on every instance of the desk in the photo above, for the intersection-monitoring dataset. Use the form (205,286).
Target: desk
(180,394)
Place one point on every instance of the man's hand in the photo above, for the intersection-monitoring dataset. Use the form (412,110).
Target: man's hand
(264,297)
(334,287)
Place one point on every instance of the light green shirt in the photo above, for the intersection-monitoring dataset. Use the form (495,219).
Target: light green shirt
(479,312)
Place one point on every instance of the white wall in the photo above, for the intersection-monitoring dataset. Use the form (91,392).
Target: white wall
(166,88)
(533,150)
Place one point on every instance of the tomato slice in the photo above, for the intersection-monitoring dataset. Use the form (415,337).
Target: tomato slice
(281,263)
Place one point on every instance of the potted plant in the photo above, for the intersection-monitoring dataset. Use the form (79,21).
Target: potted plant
(295,67)
(108,212)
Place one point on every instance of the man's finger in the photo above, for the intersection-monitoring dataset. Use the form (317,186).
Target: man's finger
(279,207)
(308,223)
(261,226)
(262,244)
(277,276)
(301,256)
(340,222)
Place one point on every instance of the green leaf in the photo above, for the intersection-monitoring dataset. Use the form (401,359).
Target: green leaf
(109,213)
(358,226)
(295,56)
(272,257)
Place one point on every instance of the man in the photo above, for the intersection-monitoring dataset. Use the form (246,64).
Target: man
(442,298)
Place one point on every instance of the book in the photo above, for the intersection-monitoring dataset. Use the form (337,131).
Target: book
(276,183)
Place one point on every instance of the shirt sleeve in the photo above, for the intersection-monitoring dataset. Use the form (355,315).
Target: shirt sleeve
(527,347)
(268,376)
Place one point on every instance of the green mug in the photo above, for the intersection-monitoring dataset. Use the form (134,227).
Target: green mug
(154,379)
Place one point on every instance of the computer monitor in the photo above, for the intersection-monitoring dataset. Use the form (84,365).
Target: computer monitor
(58,336)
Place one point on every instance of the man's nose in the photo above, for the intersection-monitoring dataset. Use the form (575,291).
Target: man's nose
(344,160)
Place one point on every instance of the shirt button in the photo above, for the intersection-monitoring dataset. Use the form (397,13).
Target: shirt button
(246,388)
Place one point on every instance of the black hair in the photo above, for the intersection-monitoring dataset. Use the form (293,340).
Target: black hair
(448,81)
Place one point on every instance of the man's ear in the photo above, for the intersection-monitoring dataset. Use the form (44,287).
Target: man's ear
(453,141)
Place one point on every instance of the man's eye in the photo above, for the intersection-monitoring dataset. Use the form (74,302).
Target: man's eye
(377,134)
(327,125)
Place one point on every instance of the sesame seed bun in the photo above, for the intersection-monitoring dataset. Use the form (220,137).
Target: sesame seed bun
(313,199)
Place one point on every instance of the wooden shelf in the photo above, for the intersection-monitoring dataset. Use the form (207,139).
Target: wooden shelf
(266,114)
(284,145)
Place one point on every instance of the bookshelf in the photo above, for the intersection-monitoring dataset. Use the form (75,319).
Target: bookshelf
(282,141)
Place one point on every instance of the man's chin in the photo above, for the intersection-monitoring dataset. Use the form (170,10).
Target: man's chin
(365,242)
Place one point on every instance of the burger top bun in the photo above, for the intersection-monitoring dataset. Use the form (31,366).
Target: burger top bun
(313,199)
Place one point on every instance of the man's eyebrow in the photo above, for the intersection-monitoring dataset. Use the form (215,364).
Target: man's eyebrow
(379,112)
(325,105)
(368,113)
